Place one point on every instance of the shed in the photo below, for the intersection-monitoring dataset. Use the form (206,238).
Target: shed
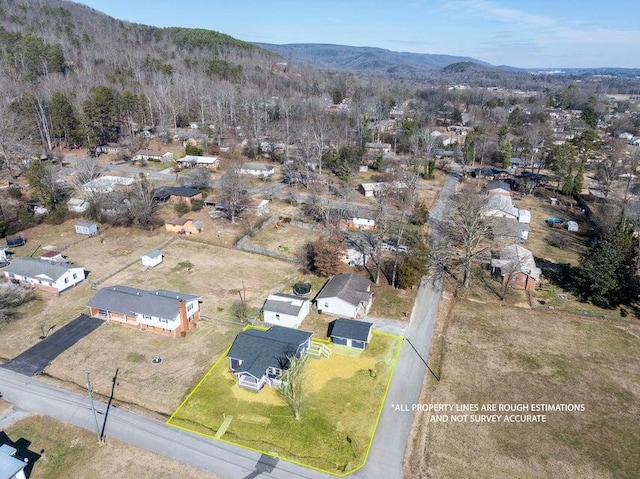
(350,332)
(572,226)
(86,228)
(524,216)
(152,258)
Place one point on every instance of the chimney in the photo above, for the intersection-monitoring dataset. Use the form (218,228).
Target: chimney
(184,321)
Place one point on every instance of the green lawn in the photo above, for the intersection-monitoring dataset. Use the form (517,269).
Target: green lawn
(336,429)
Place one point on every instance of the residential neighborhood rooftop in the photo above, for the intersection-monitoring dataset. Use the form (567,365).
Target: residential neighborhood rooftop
(38,268)
(349,287)
(127,300)
(350,328)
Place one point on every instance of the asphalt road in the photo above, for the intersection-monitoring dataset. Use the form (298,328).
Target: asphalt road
(35,359)
(388,448)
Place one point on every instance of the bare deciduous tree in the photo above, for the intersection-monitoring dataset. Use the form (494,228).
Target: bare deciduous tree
(463,230)
(233,194)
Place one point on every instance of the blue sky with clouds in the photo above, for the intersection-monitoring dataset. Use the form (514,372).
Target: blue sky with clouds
(522,33)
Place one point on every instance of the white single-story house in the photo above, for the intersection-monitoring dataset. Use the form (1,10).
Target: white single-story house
(350,332)
(169,313)
(259,357)
(86,228)
(346,295)
(256,169)
(190,161)
(42,274)
(107,184)
(153,155)
(285,310)
(524,216)
(152,258)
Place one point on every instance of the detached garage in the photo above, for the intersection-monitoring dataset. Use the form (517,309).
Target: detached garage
(350,332)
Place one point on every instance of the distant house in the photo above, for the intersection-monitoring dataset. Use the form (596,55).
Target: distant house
(517,267)
(259,357)
(152,258)
(10,466)
(111,148)
(350,332)
(508,231)
(153,155)
(498,188)
(86,228)
(363,219)
(169,313)
(107,184)
(500,206)
(77,205)
(53,256)
(257,206)
(345,295)
(42,274)
(256,169)
(177,193)
(285,310)
(190,161)
(183,226)
(377,148)
(516,162)
(371,190)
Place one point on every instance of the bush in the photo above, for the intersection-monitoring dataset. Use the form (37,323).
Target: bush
(197,205)
(181,208)
(193,150)
(557,240)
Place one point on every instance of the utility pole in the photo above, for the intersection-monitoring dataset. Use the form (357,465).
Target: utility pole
(93,408)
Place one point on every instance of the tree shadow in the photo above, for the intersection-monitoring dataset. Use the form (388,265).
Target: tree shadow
(23,452)
(561,275)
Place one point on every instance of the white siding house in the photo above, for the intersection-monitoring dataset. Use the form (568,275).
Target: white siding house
(42,274)
(285,310)
(85,228)
(345,295)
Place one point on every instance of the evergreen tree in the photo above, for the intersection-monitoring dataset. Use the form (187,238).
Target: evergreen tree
(607,275)
(505,153)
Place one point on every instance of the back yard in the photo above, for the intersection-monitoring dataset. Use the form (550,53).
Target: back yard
(335,431)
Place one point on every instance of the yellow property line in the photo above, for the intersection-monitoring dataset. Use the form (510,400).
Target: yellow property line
(275,455)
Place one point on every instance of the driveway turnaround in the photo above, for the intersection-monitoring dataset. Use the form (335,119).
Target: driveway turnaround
(35,359)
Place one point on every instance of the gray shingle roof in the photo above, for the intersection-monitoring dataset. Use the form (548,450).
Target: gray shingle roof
(259,350)
(9,465)
(284,304)
(351,329)
(38,268)
(348,287)
(515,258)
(126,300)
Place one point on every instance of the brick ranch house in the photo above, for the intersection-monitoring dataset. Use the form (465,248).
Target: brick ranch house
(163,312)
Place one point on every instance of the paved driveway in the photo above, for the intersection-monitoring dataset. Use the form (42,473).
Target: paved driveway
(35,359)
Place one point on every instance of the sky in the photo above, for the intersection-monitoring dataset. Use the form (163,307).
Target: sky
(521,33)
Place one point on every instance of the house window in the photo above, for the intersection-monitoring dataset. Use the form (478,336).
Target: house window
(277,316)
(75,275)
(146,316)
(190,307)
(66,280)
(326,304)
(163,320)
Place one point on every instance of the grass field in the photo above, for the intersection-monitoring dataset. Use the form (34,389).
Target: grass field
(497,354)
(67,451)
(335,431)
(282,238)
